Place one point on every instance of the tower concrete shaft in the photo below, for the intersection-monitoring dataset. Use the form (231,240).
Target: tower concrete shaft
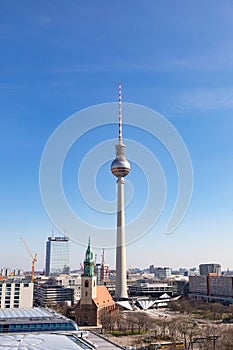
(120,168)
(121,283)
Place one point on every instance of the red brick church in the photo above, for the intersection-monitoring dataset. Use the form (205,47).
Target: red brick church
(95,300)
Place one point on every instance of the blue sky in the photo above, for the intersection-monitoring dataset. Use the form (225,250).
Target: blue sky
(173,57)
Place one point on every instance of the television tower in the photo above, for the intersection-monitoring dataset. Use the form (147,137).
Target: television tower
(120,168)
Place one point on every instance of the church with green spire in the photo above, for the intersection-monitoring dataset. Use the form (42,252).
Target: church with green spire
(94,300)
(89,263)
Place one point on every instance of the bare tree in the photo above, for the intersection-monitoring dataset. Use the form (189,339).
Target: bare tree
(226,340)
(132,321)
(143,321)
(121,322)
(105,320)
(187,330)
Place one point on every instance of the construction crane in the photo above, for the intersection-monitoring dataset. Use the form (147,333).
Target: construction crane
(34,258)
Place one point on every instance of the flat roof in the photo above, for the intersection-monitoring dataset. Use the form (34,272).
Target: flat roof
(16,280)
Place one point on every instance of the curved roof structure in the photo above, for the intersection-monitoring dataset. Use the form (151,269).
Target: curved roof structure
(37,342)
(27,313)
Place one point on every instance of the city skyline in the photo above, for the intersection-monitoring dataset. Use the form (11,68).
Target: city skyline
(172,58)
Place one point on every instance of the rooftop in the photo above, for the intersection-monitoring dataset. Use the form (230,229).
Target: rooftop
(41,341)
(29,313)
(103,297)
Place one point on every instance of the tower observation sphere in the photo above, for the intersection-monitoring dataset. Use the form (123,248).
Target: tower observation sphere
(120,167)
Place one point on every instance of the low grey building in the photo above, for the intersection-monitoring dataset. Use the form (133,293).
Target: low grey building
(49,293)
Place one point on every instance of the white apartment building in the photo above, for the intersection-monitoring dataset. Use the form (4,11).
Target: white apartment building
(16,294)
(162,273)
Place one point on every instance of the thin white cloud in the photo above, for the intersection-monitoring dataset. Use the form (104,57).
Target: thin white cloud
(217,59)
(205,99)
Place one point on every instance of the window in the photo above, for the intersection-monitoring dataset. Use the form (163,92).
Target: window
(86,284)
(32,326)
(5,328)
(46,326)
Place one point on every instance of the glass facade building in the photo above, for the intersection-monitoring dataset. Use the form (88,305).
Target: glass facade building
(57,256)
(34,320)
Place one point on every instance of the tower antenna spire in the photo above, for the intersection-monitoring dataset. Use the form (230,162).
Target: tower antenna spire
(120,112)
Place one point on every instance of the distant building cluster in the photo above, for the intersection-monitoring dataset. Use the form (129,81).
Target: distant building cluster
(7,272)
(90,290)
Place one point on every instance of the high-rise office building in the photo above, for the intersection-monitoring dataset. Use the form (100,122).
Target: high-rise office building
(102,273)
(205,269)
(57,256)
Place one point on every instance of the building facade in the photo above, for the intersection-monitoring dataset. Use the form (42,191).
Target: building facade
(205,269)
(72,282)
(16,294)
(57,256)
(150,289)
(50,293)
(102,273)
(212,287)
(162,273)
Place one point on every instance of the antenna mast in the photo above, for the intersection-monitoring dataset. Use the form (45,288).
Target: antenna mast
(120,112)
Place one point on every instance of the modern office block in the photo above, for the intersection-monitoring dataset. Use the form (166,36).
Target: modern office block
(198,285)
(102,273)
(212,287)
(162,273)
(50,293)
(205,269)
(57,256)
